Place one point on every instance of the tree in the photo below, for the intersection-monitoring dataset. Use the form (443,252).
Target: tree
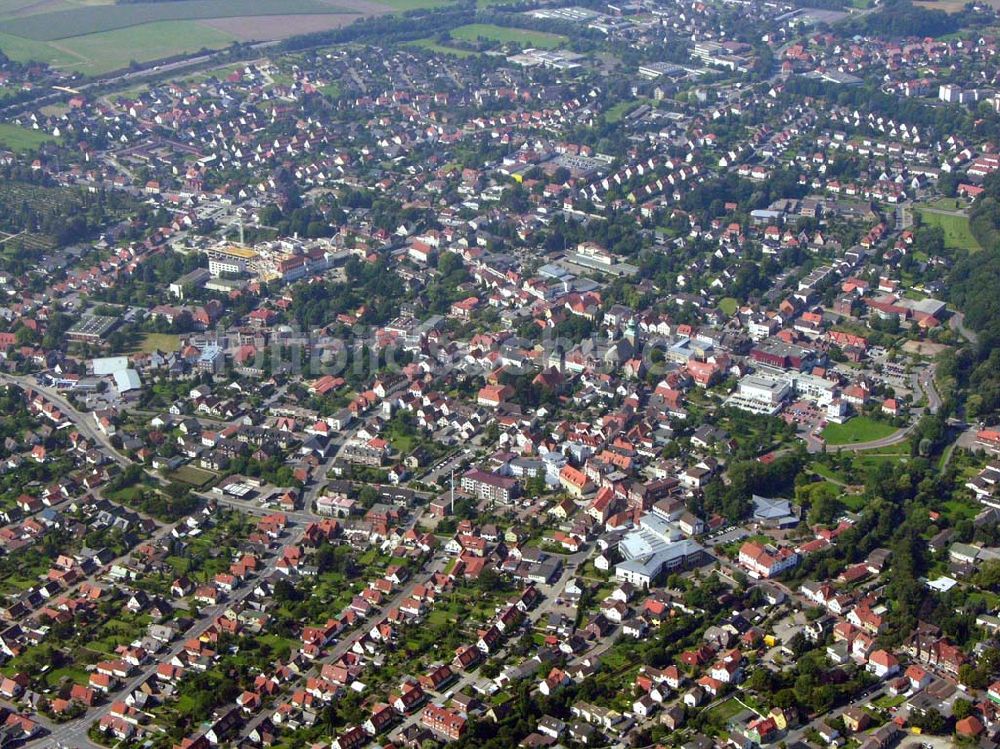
(930,721)
(760,681)
(973,677)
(961,709)
(988,575)
(535,486)
(286,592)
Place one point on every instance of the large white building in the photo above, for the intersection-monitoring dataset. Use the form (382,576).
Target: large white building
(760,394)
(655,546)
(230,259)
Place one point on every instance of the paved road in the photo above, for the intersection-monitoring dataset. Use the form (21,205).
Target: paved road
(799,734)
(965,440)
(84,423)
(893,439)
(957,323)
(926,382)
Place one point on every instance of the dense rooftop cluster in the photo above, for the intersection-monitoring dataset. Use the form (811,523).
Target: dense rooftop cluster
(532,375)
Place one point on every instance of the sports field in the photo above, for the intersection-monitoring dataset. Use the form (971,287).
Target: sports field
(504,34)
(622,108)
(431,46)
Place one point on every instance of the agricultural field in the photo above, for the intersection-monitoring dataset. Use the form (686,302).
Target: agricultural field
(95,36)
(858,429)
(95,54)
(22,50)
(955,226)
(952,6)
(504,35)
(948,6)
(84,20)
(112,50)
(400,6)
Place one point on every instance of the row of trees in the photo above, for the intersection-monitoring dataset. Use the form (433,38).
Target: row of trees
(972,286)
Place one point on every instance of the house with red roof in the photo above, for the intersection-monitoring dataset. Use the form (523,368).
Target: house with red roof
(448,724)
(883,664)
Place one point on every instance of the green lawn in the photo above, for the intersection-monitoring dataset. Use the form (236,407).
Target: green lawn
(277,642)
(77,675)
(724,711)
(438,616)
(956,229)
(622,108)
(887,701)
(193,475)
(160,341)
(865,462)
(431,46)
(22,139)
(826,472)
(853,502)
(956,509)
(858,429)
(331,89)
(729,305)
(403,443)
(504,34)
(947,204)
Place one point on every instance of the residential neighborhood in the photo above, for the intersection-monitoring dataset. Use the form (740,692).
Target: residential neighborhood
(506,375)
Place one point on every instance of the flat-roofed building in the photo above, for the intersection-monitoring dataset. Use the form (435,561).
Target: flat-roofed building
(230,259)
